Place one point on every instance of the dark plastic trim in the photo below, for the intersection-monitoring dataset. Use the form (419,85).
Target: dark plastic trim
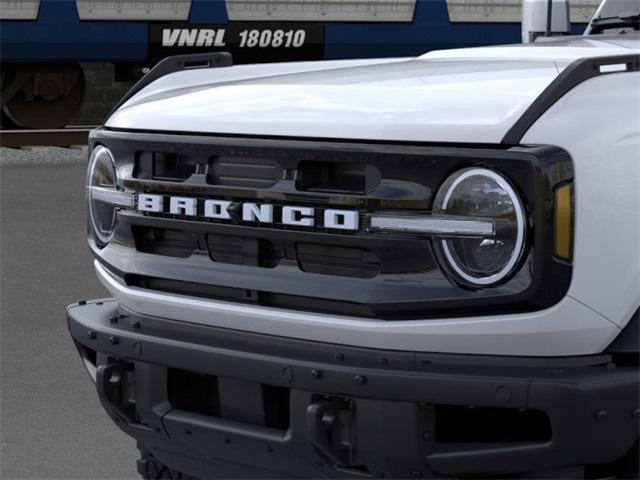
(174,64)
(628,342)
(576,73)
(590,401)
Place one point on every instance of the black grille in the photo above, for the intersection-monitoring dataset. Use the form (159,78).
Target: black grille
(281,248)
(219,170)
(383,275)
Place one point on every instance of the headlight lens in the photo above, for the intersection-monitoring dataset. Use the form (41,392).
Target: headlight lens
(485,260)
(101,175)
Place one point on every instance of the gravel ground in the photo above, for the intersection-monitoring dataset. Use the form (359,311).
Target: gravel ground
(51,423)
(42,156)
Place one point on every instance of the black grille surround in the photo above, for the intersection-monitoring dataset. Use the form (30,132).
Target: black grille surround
(384,275)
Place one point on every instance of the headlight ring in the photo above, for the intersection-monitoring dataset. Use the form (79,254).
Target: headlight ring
(482,261)
(101,180)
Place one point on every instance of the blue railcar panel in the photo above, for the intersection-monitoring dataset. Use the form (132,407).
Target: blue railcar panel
(206,11)
(578,29)
(57,11)
(59,35)
(91,42)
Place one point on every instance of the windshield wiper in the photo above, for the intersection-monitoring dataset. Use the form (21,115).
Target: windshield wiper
(621,21)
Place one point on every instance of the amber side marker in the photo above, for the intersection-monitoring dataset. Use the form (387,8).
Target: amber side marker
(563,221)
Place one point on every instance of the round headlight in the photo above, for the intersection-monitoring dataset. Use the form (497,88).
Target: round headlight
(101,175)
(484,260)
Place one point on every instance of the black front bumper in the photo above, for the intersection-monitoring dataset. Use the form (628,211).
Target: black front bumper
(202,400)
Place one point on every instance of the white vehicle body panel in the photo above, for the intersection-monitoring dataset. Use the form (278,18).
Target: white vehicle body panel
(415,100)
(598,123)
(576,47)
(186,80)
(465,95)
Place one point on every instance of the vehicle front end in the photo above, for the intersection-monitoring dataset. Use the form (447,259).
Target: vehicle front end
(389,268)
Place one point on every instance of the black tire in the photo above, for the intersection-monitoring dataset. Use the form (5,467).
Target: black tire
(151,469)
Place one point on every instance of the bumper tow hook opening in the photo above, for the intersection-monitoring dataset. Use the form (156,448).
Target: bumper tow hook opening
(330,423)
(110,381)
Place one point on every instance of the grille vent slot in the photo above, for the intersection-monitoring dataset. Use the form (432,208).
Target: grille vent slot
(331,177)
(244,172)
(170,167)
(340,261)
(256,252)
(162,241)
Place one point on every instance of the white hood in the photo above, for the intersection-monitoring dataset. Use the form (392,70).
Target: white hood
(467,95)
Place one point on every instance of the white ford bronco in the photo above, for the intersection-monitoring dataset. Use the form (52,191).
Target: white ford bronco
(400,268)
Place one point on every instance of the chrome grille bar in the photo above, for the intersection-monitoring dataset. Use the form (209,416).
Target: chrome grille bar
(433,225)
(111,196)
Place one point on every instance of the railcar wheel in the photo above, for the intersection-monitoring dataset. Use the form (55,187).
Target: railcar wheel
(42,96)
(6,123)
(6,78)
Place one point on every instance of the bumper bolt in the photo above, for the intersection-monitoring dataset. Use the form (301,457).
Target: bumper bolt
(317,374)
(361,379)
(601,415)
(427,436)
(114,340)
(416,474)
(339,357)
(91,334)
(269,449)
(187,431)
(135,325)
(113,319)
(287,374)
(503,394)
